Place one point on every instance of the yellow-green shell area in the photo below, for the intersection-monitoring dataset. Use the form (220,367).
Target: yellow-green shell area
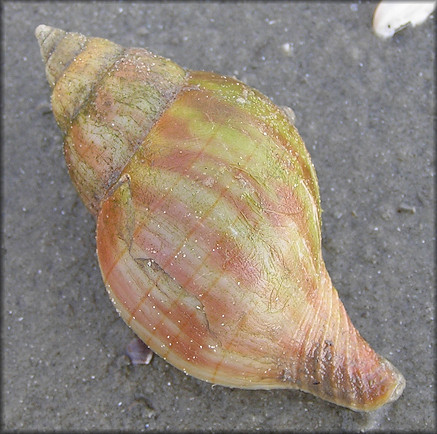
(208,229)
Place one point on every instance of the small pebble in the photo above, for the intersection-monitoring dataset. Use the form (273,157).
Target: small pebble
(287,49)
(406,208)
(138,352)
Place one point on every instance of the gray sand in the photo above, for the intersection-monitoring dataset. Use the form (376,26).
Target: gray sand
(364,107)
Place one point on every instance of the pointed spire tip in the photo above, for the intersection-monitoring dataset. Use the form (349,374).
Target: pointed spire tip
(41,33)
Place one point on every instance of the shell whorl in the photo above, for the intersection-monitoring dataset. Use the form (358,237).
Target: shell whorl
(58,49)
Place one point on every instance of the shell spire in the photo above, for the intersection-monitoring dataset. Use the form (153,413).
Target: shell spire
(105,99)
(208,223)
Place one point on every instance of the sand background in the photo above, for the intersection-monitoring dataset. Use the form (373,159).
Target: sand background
(364,107)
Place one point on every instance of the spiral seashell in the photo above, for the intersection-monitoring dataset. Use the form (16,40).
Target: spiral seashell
(208,223)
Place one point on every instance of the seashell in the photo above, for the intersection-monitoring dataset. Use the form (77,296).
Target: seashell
(208,223)
(390,17)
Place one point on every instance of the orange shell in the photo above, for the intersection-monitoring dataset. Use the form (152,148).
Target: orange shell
(208,223)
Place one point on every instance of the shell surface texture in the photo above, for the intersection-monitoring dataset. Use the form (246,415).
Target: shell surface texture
(208,223)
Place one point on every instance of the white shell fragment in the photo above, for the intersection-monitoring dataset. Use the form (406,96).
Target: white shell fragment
(390,17)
